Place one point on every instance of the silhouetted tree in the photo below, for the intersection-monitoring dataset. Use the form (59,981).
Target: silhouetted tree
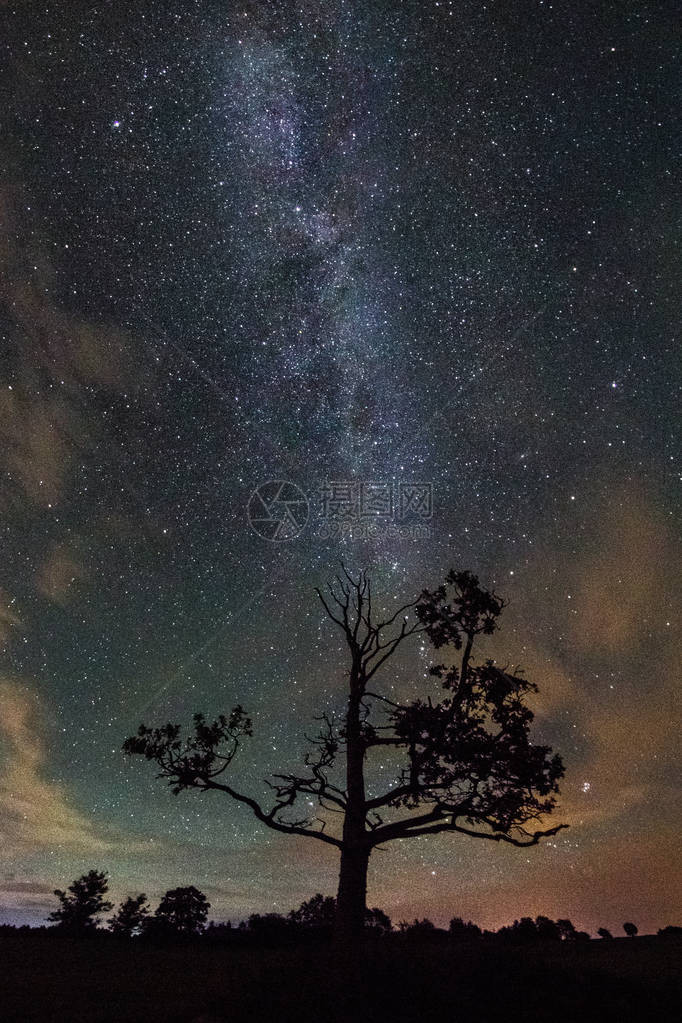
(521,931)
(468,765)
(671,931)
(319,913)
(567,931)
(269,927)
(182,912)
(130,917)
(377,921)
(220,932)
(418,928)
(541,929)
(547,929)
(525,929)
(630,929)
(604,932)
(82,903)
(316,912)
(461,931)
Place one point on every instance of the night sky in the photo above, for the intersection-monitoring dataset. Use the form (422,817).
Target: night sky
(404,248)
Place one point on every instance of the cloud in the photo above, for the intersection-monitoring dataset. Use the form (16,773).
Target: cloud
(35,441)
(11,885)
(626,590)
(58,574)
(625,586)
(56,366)
(9,619)
(605,654)
(35,811)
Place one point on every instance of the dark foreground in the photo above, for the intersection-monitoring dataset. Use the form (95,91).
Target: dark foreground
(71,981)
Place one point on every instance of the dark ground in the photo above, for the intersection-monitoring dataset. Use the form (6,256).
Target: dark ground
(60,979)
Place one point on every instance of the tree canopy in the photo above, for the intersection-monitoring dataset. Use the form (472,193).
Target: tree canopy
(130,917)
(82,903)
(182,911)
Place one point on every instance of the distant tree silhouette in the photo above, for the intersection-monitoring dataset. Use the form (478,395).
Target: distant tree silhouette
(316,912)
(130,917)
(671,931)
(377,921)
(422,925)
(630,929)
(82,903)
(525,929)
(320,912)
(521,931)
(541,929)
(182,912)
(420,929)
(547,930)
(221,933)
(604,932)
(567,931)
(269,927)
(468,764)
(461,931)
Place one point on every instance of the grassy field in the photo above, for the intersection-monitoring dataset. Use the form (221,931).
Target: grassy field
(69,981)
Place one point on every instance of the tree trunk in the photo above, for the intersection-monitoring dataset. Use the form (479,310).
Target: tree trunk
(349,921)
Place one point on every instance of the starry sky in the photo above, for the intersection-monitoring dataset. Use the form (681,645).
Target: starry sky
(373,245)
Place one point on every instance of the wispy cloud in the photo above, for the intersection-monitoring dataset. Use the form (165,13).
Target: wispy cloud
(606,656)
(10,622)
(58,365)
(58,575)
(35,810)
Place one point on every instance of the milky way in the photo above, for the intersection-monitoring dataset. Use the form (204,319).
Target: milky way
(392,244)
